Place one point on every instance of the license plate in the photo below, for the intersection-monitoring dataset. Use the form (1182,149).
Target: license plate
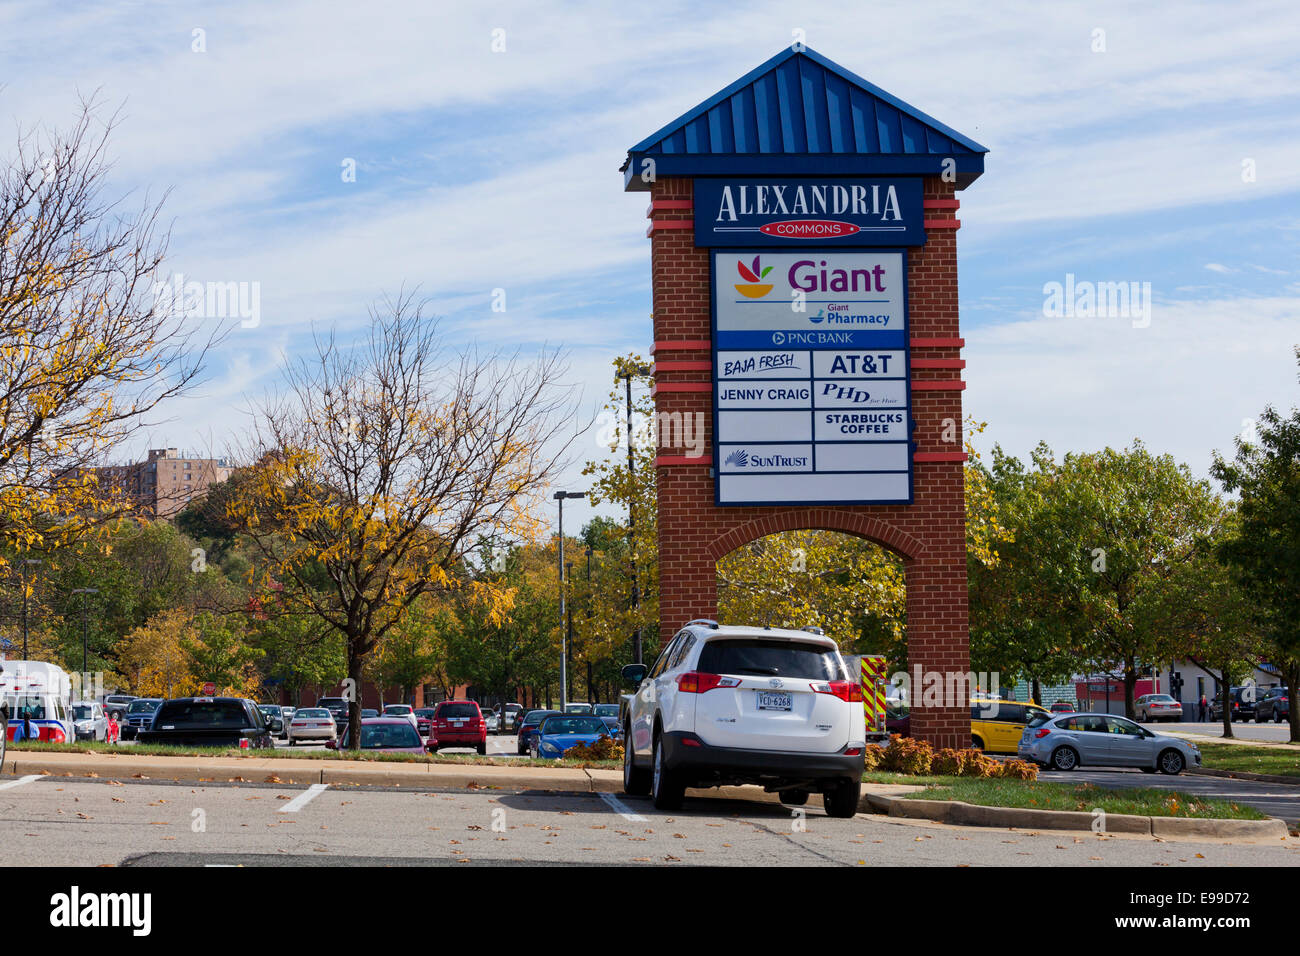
(458,723)
(768,700)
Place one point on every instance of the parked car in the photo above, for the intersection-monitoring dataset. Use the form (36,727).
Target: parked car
(1275,705)
(1104,740)
(458,723)
(1157,707)
(405,711)
(605,710)
(275,717)
(386,735)
(614,727)
(139,715)
(312,723)
(577,707)
(209,722)
(1242,703)
(508,716)
(745,705)
(116,704)
(528,730)
(898,718)
(367,713)
(423,720)
(89,719)
(493,722)
(338,708)
(559,732)
(996,724)
(1063,707)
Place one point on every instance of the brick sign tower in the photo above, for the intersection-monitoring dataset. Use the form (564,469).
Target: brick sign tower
(803,225)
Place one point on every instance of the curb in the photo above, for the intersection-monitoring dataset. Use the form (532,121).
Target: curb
(1246,775)
(965,814)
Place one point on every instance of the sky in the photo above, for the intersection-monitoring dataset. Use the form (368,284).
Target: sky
(1151,144)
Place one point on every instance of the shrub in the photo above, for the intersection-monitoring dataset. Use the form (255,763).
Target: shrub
(871,756)
(606,748)
(947,762)
(907,755)
(1018,770)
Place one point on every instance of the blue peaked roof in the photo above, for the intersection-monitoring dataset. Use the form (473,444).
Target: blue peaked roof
(800,114)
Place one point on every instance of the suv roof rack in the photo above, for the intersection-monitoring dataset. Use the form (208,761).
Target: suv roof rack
(702,620)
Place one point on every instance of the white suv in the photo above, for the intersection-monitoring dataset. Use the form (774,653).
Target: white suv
(733,705)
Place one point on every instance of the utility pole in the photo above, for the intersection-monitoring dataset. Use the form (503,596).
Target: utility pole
(568,634)
(85,627)
(23,578)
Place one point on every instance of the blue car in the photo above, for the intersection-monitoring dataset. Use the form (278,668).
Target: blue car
(615,728)
(559,732)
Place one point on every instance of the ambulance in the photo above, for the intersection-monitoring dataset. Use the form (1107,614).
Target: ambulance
(36,697)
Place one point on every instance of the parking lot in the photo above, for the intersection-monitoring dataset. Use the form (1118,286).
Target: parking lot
(104,822)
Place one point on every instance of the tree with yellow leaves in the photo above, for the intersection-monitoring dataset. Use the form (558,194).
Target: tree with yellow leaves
(383,462)
(87,355)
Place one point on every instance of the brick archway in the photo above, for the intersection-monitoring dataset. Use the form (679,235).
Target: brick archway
(857,524)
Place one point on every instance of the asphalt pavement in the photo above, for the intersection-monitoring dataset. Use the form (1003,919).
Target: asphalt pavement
(68,821)
(1266,732)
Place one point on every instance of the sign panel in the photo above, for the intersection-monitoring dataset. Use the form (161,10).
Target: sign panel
(822,212)
(810,377)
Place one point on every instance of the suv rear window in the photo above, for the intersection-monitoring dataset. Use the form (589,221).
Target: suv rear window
(769,659)
(214,714)
(457,710)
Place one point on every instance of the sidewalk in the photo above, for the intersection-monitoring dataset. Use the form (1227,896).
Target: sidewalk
(1212,739)
(306,771)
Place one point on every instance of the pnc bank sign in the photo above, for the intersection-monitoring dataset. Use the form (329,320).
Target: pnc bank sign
(847,212)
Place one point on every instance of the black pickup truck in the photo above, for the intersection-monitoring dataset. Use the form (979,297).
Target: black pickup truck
(209,722)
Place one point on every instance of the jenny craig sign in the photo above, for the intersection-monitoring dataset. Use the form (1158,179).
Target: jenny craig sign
(811,404)
(836,212)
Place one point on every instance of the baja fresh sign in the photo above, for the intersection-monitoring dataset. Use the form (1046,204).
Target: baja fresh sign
(836,212)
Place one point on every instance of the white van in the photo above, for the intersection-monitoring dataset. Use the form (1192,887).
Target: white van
(38,700)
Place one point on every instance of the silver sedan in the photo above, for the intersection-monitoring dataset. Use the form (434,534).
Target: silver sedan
(1067,741)
(311,723)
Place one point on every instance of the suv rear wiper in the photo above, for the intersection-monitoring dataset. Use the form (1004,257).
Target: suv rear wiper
(758,670)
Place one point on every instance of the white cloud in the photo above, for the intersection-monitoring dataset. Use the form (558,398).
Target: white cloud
(1184,385)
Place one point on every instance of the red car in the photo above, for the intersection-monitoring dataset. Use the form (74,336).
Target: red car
(458,723)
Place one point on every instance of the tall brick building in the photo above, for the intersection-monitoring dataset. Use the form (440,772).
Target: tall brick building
(165,482)
(800,119)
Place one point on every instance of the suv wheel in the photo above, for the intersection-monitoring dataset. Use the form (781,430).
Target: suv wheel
(636,780)
(666,787)
(842,800)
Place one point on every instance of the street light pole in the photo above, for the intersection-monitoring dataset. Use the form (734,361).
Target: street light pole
(564,658)
(626,375)
(568,627)
(85,627)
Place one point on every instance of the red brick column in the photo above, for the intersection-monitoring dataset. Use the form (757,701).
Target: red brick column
(930,534)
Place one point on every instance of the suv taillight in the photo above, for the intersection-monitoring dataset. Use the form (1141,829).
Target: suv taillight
(1042,732)
(846,690)
(698,682)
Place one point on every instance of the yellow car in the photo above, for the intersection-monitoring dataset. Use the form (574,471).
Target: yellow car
(996,724)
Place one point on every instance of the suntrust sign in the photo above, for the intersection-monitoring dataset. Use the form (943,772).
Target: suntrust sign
(836,212)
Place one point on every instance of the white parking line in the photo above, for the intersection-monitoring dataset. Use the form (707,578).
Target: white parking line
(621,808)
(20,781)
(304,798)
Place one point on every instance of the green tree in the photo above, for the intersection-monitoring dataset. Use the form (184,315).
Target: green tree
(1265,553)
